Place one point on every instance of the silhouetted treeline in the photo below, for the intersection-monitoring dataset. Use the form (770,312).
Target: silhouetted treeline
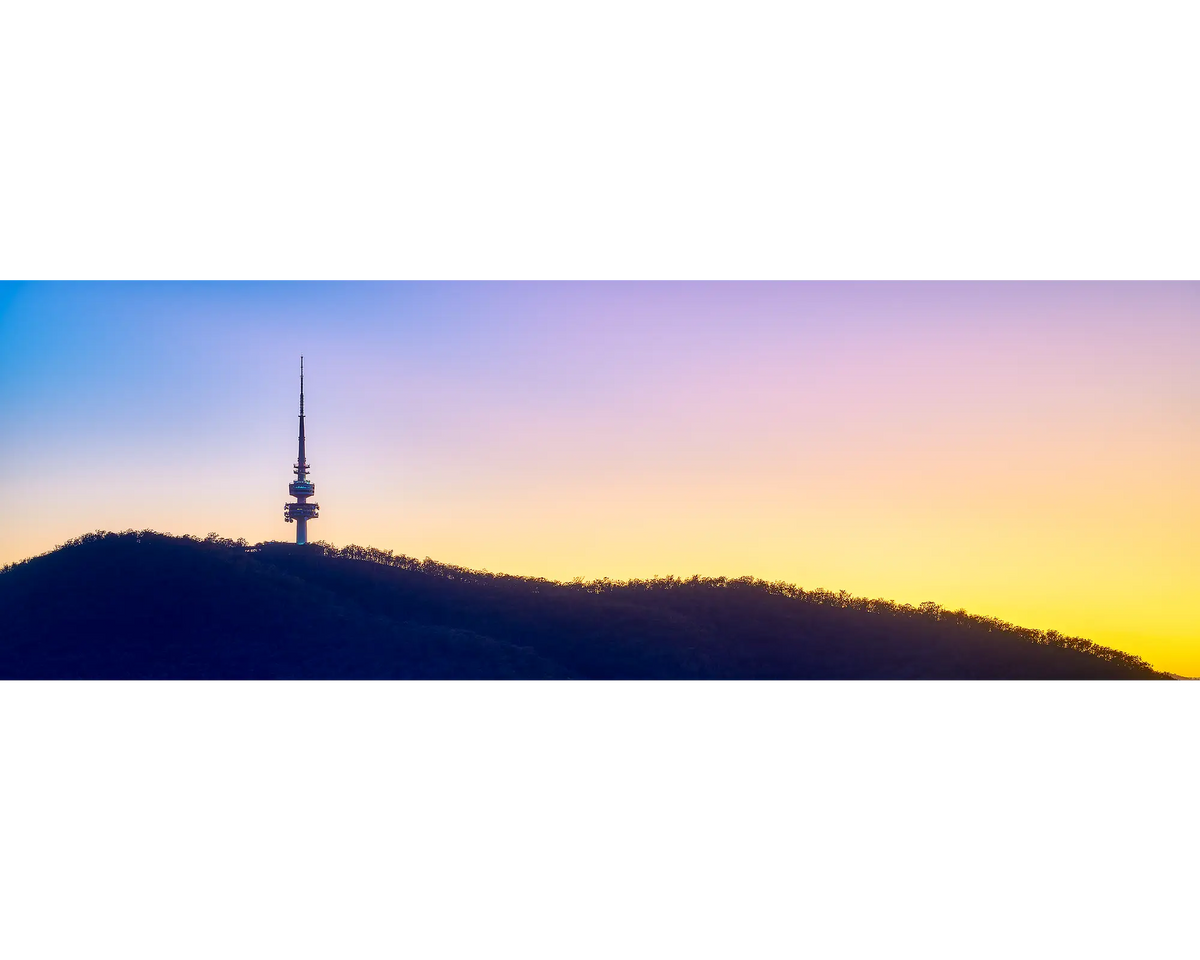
(691,586)
(142,604)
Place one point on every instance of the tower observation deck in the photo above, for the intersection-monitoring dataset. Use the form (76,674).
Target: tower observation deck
(301,488)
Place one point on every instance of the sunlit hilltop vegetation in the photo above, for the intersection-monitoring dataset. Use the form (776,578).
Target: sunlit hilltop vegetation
(140,604)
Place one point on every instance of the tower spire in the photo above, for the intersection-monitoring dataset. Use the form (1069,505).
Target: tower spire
(301,488)
(301,463)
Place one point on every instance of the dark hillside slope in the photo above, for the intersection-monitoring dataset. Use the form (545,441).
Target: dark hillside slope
(153,607)
(144,605)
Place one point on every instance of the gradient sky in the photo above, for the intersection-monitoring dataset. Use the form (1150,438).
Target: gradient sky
(1027,451)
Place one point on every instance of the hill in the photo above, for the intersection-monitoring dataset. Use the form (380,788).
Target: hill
(142,605)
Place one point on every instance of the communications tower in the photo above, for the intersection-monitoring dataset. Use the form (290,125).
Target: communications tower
(301,488)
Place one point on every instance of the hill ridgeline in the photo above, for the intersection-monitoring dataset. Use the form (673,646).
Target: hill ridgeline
(143,605)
